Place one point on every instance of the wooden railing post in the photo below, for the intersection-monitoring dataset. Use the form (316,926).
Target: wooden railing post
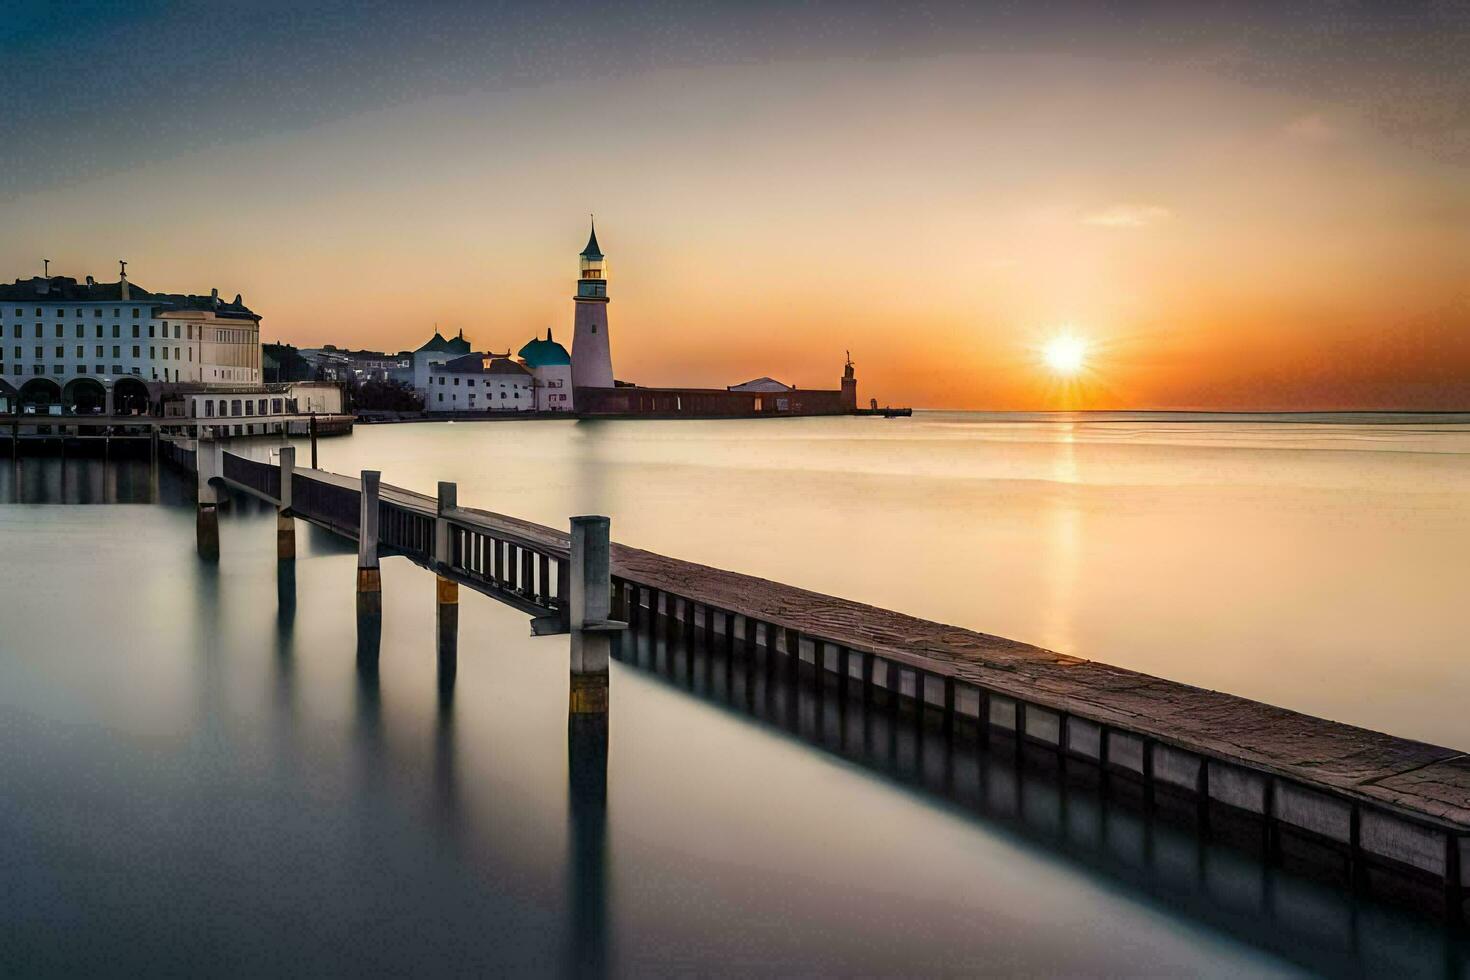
(443,545)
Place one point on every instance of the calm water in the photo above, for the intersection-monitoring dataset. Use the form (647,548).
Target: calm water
(198,776)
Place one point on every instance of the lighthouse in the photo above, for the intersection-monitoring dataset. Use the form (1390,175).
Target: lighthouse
(591,355)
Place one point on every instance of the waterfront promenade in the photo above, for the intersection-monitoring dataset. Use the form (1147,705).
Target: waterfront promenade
(1308,788)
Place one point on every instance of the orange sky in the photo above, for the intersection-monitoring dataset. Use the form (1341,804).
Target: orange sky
(1220,241)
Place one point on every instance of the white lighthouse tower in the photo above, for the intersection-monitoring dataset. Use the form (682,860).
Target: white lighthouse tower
(591,355)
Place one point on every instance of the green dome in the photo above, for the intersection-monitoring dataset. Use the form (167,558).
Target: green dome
(544,353)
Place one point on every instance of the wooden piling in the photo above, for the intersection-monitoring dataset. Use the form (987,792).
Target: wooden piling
(206,508)
(285,536)
(446,622)
(369,577)
(590,596)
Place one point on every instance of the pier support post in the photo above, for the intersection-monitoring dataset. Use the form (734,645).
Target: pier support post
(588,693)
(369,579)
(206,510)
(288,471)
(285,535)
(446,622)
(590,596)
(311,430)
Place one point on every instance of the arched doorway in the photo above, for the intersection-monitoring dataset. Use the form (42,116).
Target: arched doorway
(83,396)
(39,394)
(129,397)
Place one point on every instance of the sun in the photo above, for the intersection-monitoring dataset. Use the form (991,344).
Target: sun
(1065,355)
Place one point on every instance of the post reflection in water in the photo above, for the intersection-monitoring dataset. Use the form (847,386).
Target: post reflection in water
(587,737)
(1154,849)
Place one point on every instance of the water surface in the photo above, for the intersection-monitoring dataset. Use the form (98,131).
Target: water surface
(201,776)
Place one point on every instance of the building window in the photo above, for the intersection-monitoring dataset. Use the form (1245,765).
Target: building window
(39,331)
(60,330)
(101,369)
(60,351)
(116,350)
(150,330)
(235,408)
(209,409)
(81,330)
(276,406)
(135,350)
(135,313)
(81,352)
(99,331)
(135,331)
(222,407)
(116,330)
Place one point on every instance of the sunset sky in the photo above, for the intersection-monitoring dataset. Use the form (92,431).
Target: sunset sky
(1231,207)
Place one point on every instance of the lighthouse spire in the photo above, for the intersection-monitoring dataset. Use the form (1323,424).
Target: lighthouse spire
(592,251)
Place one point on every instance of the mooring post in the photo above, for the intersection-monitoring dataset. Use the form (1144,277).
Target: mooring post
(369,580)
(285,523)
(446,621)
(311,428)
(206,510)
(591,591)
(446,590)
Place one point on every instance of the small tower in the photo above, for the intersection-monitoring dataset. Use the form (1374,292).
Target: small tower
(849,385)
(591,353)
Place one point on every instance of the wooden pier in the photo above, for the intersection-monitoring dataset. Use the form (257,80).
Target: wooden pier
(1376,802)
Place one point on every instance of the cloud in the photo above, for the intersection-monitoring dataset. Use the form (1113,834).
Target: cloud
(1128,216)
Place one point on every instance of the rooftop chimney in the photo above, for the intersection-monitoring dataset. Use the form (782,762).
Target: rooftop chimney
(125,292)
(214,298)
(91,281)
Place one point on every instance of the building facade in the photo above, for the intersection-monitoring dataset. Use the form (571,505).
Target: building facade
(113,347)
(436,352)
(551,369)
(250,408)
(591,346)
(480,382)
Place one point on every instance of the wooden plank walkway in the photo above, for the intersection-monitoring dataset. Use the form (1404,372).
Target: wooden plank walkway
(1402,802)
(1430,780)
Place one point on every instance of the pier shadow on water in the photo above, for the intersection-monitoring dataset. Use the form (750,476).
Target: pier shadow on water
(1150,847)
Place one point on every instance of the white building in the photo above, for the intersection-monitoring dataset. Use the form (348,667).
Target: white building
(252,409)
(551,369)
(115,346)
(435,353)
(480,383)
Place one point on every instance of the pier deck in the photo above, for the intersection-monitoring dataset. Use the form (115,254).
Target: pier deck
(1393,801)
